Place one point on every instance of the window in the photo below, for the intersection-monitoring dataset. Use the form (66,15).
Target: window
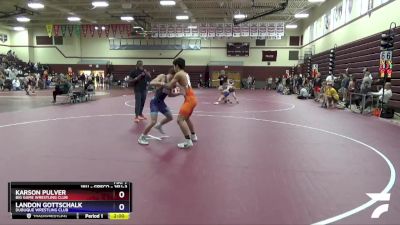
(44,40)
(294,41)
(293,55)
(260,42)
(58,40)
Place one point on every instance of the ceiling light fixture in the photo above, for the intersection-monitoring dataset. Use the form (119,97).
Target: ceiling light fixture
(96,27)
(74,19)
(291,26)
(35,5)
(182,17)
(301,15)
(167,3)
(239,16)
(316,1)
(23,19)
(19,28)
(100,4)
(103,28)
(127,18)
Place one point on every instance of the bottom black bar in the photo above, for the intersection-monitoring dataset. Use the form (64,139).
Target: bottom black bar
(63,216)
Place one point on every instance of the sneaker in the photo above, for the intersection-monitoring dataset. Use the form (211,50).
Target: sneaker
(216,103)
(186,144)
(159,128)
(193,137)
(136,120)
(142,118)
(143,140)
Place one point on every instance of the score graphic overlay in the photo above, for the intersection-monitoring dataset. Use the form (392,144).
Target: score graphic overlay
(66,200)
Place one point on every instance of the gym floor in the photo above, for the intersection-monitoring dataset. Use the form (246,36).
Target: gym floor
(271,159)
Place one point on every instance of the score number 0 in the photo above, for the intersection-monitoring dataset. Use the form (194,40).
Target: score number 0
(121,195)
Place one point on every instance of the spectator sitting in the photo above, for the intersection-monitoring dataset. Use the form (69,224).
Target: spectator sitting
(303,93)
(16,84)
(62,87)
(89,86)
(331,97)
(388,93)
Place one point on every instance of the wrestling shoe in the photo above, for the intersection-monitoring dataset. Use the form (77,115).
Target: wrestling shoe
(143,140)
(186,144)
(194,137)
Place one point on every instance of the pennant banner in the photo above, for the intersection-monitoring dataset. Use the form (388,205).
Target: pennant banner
(99,30)
(85,29)
(92,29)
(78,30)
(70,29)
(63,30)
(114,28)
(129,29)
(107,30)
(121,28)
(56,30)
(49,28)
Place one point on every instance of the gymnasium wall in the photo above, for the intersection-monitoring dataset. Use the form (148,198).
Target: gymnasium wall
(74,49)
(4,45)
(359,28)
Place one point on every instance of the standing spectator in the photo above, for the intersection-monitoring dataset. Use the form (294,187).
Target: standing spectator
(249,82)
(345,86)
(97,80)
(388,93)
(269,83)
(223,79)
(140,78)
(82,78)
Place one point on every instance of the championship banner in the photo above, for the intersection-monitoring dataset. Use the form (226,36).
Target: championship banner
(63,30)
(114,28)
(236,31)
(212,28)
(154,30)
(78,30)
(179,30)
(163,30)
(245,30)
(195,30)
(228,29)
(70,29)
(220,30)
(203,30)
(49,28)
(280,29)
(187,32)
(271,29)
(107,30)
(269,56)
(262,29)
(171,30)
(56,30)
(254,30)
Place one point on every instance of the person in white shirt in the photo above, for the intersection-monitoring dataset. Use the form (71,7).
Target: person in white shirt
(329,79)
(388,93)
(303,93)
(16,85)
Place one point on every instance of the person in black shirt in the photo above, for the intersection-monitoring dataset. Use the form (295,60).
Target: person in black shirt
(223,79)
(140,78)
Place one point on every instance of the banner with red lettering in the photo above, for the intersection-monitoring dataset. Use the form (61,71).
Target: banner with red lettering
(179,30)
(163,30)
(203,30)
(212,28)
(254,30)
(220,30)
(171,30)
(262,29)
(236,31)
(228,29)
(154,30)
(245,30)
(195,30)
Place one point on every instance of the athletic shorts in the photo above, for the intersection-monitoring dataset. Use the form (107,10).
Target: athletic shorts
(317,89)
(189,104)
(226,94)
(157,106)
